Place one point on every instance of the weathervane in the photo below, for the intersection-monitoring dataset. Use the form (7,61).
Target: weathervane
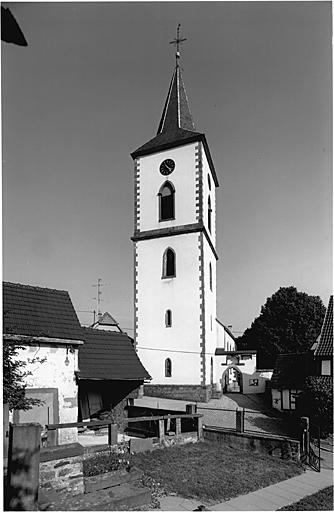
(177,42)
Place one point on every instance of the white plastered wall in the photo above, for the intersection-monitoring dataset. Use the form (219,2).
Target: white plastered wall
(210,310)
(224,340)
(54,373)
(155,341)
(206,194)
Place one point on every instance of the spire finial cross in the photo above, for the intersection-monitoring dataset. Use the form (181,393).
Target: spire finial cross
(177,42)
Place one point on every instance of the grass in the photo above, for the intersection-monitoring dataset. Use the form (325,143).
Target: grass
(321,500)
(210,472)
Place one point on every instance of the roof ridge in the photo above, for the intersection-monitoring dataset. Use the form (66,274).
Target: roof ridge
(105,331)
(35,287)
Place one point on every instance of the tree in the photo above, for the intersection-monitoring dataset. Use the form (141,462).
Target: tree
(290,321)
(14,375)
(316,402)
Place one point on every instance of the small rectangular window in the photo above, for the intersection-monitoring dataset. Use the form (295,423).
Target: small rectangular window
(168,318)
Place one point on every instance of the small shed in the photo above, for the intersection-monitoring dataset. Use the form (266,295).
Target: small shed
(109,373)
(288,379)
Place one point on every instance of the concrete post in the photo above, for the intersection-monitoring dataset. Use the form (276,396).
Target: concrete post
(239,420)
(178,427)
(51,437)
(200,428)
(23,467)
(161,430)
(112,434)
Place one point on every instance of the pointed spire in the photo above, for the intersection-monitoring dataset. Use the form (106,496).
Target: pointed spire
(176,112)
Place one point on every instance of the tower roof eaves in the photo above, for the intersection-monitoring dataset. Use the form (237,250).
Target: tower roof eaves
(179,137)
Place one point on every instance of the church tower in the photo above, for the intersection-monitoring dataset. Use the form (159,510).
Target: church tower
(175,253)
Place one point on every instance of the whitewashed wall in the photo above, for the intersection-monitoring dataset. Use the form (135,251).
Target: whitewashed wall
(181,342)
(206,194)
(210,310)
(54,373)
(224,340)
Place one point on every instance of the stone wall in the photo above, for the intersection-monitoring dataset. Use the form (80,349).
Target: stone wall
(179,392)
(277,446)
(61,468)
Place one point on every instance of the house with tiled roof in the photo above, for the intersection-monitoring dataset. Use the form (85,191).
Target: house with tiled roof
(323,347)
(106,322)
(109,373)
(291,370)
(44,324)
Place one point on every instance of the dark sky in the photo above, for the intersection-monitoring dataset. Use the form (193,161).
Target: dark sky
(90,88)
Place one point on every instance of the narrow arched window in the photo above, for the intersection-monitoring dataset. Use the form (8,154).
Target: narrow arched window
(168,263)
(209,182)
(168,318)
(168,368)
(210,275)
(167,201)
(209,214)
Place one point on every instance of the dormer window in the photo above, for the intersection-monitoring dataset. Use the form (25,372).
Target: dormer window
(166,197)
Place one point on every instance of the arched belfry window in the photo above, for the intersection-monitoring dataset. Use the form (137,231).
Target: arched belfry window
(169,263)
(209,214)
(166,197)
(168,318)
(168,368)
(210,275)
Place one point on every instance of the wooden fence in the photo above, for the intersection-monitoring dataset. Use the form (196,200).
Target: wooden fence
(113,430)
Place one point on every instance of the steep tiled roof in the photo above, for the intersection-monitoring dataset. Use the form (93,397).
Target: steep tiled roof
(176,112)
(41,312)
(291,370)
(325,342)
(110,356)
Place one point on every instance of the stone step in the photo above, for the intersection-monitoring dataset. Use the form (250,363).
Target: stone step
(216,394)
(121,497)
(111,479)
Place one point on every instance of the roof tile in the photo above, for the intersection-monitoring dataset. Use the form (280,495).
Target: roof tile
(43,312)
(109,355)
(325,343)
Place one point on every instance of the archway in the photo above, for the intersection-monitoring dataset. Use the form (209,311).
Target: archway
(232,380)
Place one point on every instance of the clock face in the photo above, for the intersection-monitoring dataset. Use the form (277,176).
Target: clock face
(167,167)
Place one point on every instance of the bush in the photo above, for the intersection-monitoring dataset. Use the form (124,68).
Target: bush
(316,402)
(105,462)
